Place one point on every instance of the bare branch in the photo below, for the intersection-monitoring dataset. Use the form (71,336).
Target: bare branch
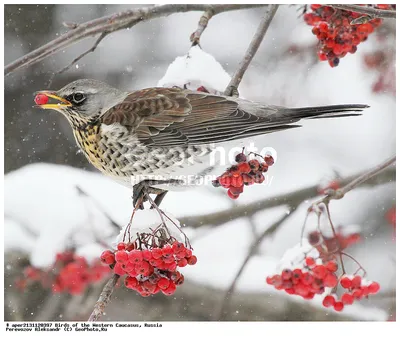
(112,23)
(251,50)
(104,299)
(253,250)
(371,12)
(90,50)
(203,22)
(291,199)
(339,193)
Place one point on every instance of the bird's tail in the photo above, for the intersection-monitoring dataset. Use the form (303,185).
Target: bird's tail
(340,110)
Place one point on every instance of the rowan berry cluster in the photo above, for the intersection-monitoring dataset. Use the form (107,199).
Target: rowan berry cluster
(150,269)
(306,281)
(356,288)
(69,273)
(245,172)
(337,32)
(312,269)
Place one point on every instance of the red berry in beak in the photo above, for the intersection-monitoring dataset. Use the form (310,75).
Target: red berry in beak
(41,99)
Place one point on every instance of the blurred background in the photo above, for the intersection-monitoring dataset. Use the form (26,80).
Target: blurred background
(54,199)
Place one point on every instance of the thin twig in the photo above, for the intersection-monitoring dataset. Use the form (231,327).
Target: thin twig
(291,198)
(203,22)
(339,193)
(112,23)
(104,299)
(114,224)
(371,12)
(251,50)
(253,249)
(328,213)
(90,50)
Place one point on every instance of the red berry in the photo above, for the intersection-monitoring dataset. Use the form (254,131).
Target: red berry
(307,278)
(347,299)
(121,246)
(163,283)
(237,181)
(41,99)
(310,261)
(286,274)
(356,282)
(297,274)
(156,253)
(167,251)
(121,256)
(236,191)
(254,165)
(182,262)
(264,167)
(357,294)
(269,160)
(332,266)
(232,196)
(107,257)
(338,306)
(373,287)
(319,271)
(118,269)
(170,290)
(131,282)
(330,280)
(192,260)
(135,256)
(146,254)
(240,158)
(244,167)
(259,178)
(345,282)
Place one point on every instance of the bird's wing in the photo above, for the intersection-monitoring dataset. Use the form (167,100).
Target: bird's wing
(165,117)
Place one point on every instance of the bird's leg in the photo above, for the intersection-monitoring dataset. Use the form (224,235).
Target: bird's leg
(159,198)
(137,193)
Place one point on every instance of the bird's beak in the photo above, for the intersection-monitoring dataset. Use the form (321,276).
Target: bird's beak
(55,102)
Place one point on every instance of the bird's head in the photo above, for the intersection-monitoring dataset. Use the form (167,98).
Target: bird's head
(80,101)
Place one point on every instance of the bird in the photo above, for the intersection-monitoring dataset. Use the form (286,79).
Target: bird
(159,135)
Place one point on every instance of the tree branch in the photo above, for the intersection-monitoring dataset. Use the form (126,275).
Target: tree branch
(90,50)
(339,193)
(291,199)
(112,23)
(253,250)
(104,299)
(371,12)
(203,22)
(251,50)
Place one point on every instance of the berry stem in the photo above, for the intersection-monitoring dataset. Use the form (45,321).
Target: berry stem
(360,267)
(334,234)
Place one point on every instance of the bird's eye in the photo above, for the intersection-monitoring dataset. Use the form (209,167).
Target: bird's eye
(78,97)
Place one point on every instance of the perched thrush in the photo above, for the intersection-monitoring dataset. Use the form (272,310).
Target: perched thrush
(162,134)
